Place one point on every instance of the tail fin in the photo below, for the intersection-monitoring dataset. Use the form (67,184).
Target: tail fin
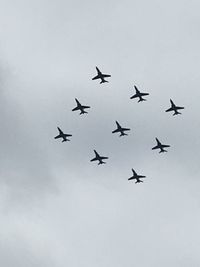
(141,99)
(104,81)
(122,134)
(101,162)
(176,113)
(138,181)
(163,150)
(83,112)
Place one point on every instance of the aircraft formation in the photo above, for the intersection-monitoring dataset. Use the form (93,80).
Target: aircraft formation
(121,130)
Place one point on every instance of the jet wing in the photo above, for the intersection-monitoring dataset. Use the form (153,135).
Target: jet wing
(141,176)
(134,96)
(93,159)
(155,147)
(118,125)
(143,94)
(77,102)
(85,107)
(99,74)
(115,131)
(96,154)
(98,71)
(158,142)
(136,89)
(170,109)
(106,75)
(131,178)
(96,77)
(134,172)
(172,103)
(76,108)
(78,105)
(104,157)
(60,131)
(56,137)
(126,129)
(165,145)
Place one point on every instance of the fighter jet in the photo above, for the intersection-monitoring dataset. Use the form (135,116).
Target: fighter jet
(101,76)
(136,177)
(139,95)
(120,129)
(62,135)
(99,158)
(160,146)
(174,108)
(80,107)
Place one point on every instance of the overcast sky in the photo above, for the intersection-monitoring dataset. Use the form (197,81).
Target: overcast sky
(57,208)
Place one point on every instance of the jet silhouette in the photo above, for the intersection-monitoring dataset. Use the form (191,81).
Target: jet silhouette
(62,135)
(139,95)
(160,146)
(99,158)
(80,107)
(136,177)
(101,76)
(174,108)
(120,129)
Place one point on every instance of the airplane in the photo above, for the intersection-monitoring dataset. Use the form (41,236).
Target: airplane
(160,146)
(80,107)
(99,158)
(174,108)
(101,76)
(120,129)
(139,95)
(136,177)
(62,135)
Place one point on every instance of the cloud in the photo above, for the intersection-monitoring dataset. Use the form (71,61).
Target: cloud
(57,208)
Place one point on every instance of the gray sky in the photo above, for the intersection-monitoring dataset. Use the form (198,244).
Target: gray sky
(56,208)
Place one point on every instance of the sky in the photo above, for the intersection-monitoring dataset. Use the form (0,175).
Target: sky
(56,207)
